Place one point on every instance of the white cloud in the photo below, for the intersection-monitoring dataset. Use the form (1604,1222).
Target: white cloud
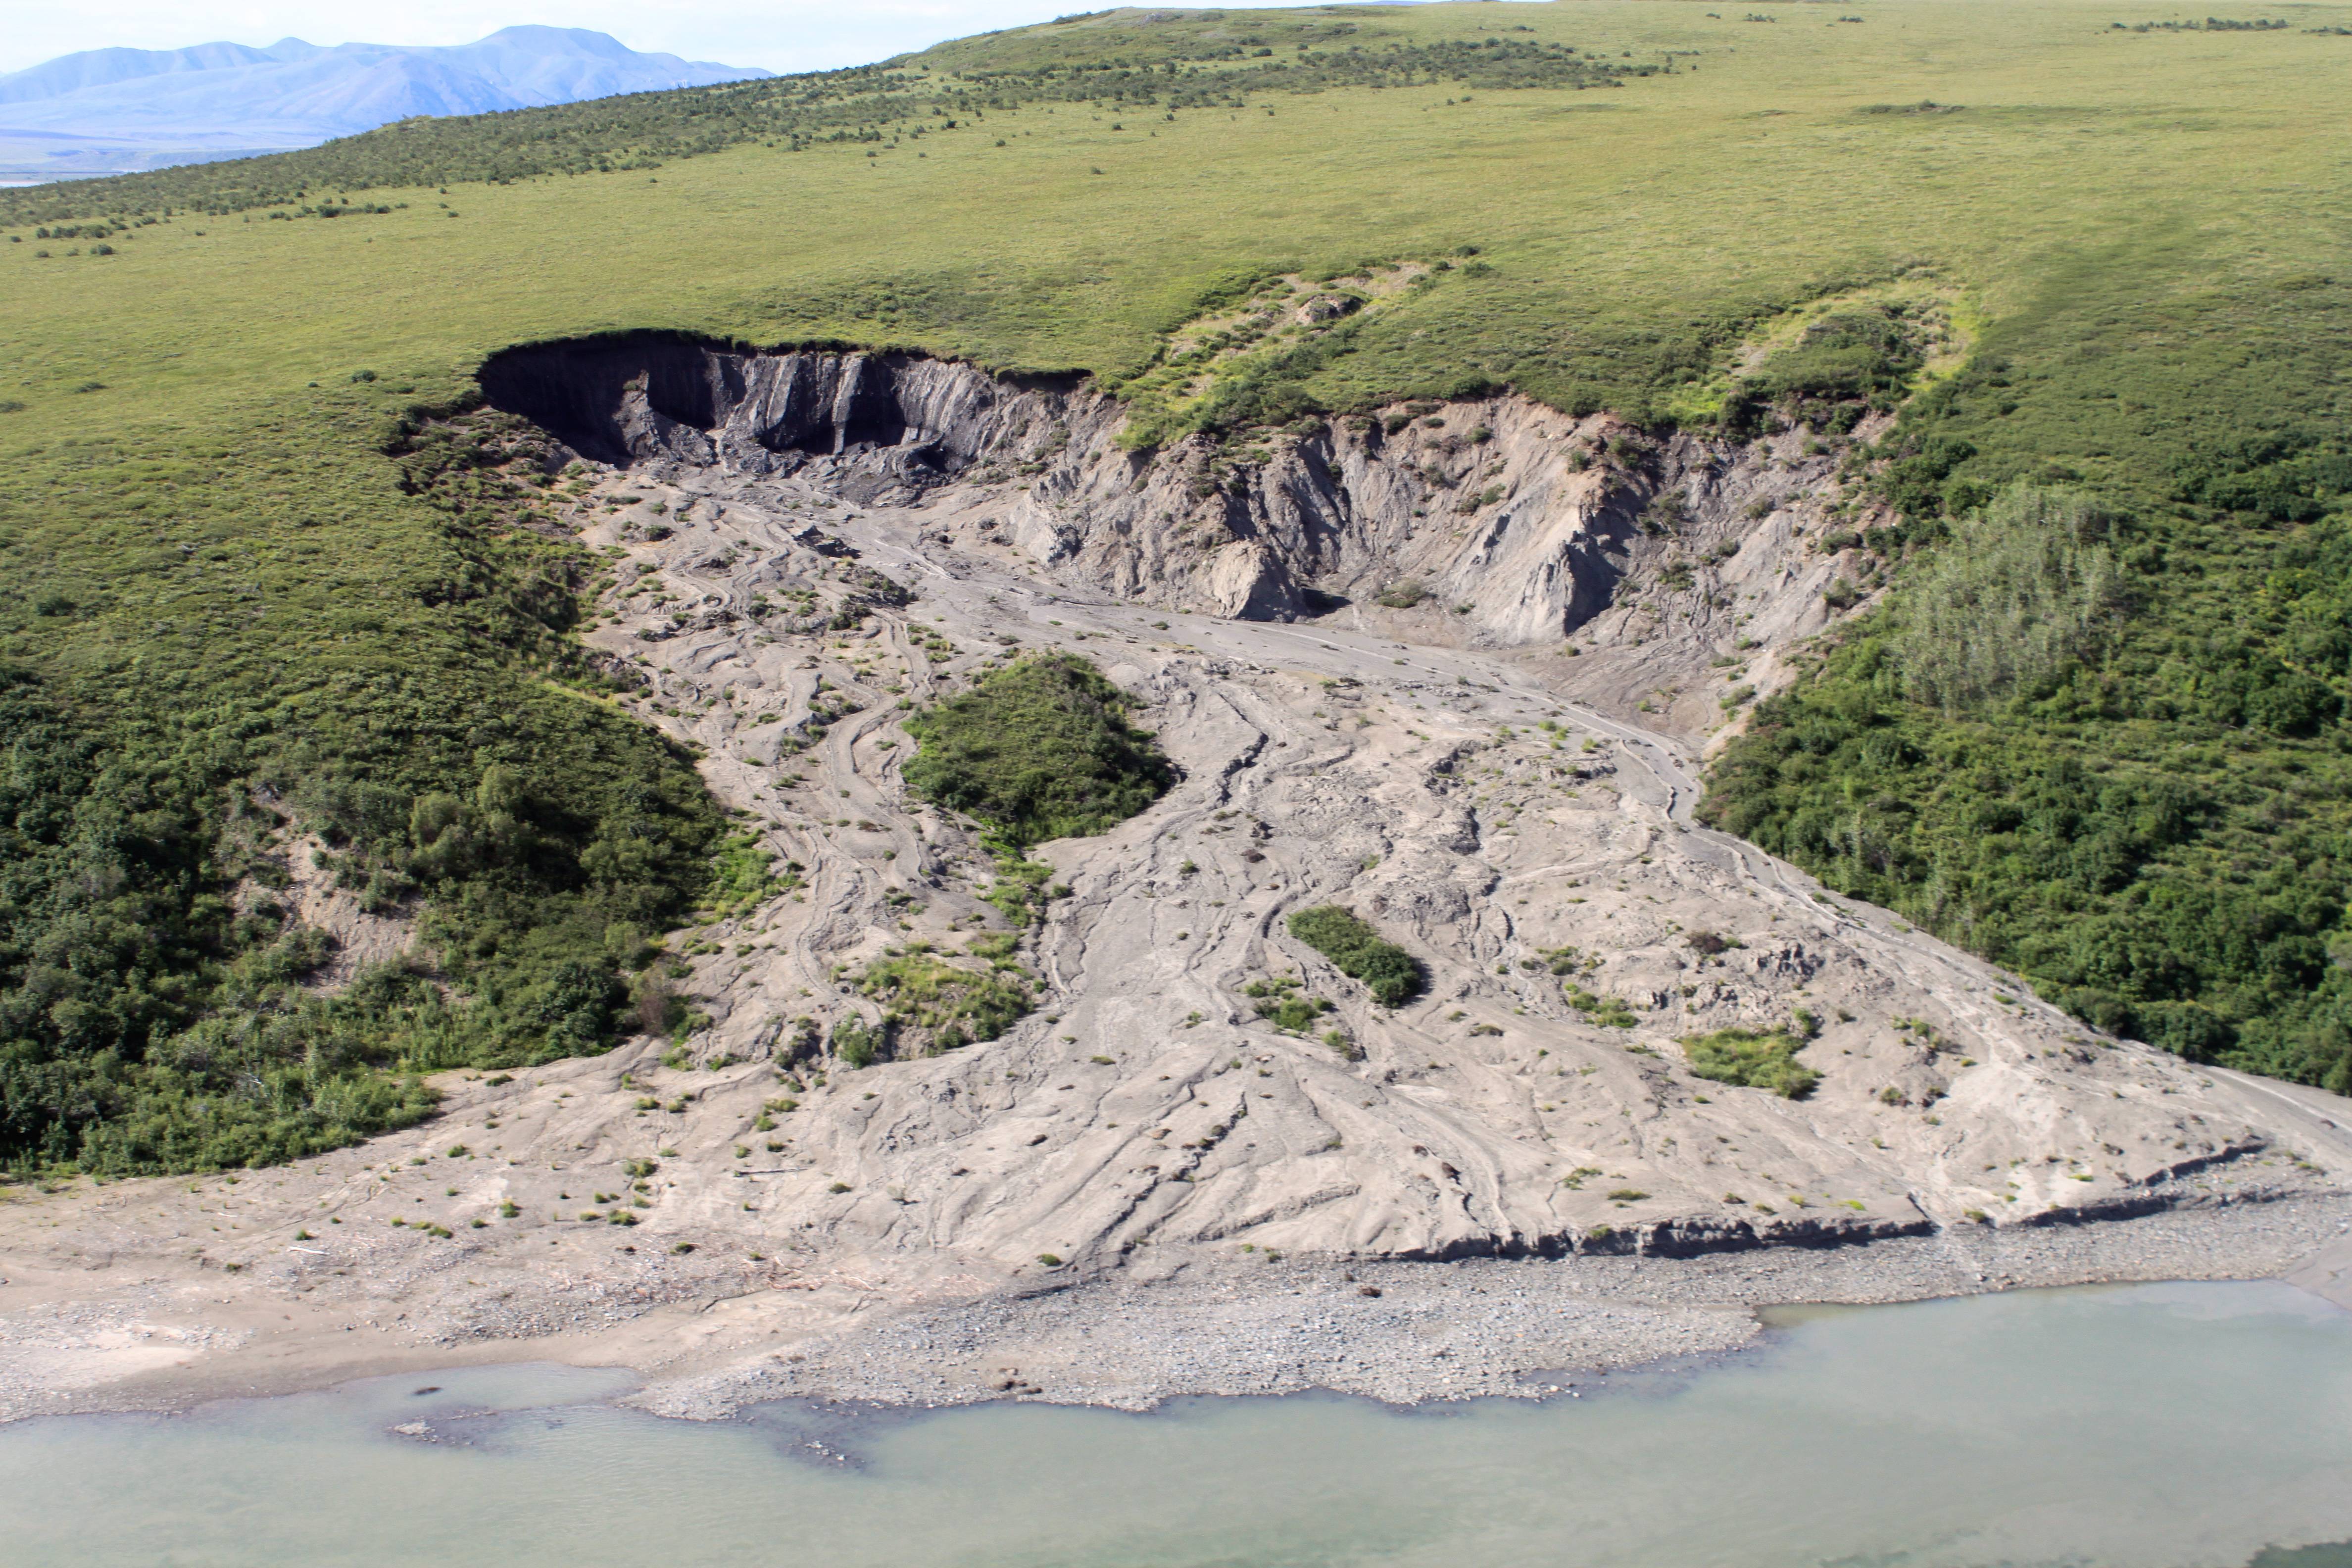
(780,35)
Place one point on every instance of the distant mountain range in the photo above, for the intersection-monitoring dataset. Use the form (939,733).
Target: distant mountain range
(110,110)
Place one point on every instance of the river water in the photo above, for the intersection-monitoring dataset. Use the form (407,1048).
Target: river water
(2170,1426)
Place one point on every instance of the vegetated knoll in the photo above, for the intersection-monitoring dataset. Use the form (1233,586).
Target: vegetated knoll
(931,1003)
(1041,749)
(1753,1058)
(1391,974)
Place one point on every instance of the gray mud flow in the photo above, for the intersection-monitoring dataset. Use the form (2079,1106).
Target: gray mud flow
(1353,640)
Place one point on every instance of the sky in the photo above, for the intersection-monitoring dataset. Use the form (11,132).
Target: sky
(780,35)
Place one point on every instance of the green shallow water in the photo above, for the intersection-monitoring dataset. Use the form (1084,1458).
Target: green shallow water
(2171,1426)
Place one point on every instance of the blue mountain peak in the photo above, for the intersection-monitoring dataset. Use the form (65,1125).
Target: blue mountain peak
(108,111)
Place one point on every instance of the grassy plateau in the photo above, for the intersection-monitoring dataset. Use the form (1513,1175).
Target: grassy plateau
(236,586)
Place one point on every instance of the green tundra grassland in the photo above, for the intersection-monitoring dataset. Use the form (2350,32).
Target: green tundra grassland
(233,586)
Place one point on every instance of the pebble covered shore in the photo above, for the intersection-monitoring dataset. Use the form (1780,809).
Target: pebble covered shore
(1409,1332)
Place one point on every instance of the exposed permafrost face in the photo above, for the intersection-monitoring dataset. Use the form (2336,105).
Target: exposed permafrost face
(648,397)
(1504,508)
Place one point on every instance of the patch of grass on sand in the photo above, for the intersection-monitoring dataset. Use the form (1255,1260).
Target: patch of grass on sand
(1752,1058)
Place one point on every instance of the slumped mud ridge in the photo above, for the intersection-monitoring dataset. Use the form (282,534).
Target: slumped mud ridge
(1351,641)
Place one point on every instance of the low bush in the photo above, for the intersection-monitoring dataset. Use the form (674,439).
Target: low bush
(1392,975)
(932,1005)
(1039,750)
(857,1043)
(1279,1003)
(1610,1012)
(1752,1058)
(744,877)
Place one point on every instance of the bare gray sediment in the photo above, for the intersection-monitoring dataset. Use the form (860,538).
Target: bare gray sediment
(1355,649)
(1409,1332)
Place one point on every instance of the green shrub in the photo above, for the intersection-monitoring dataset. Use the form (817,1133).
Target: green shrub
(1750,1059)
(1038,749)
(1280,1004)
(743,880)
(1022,889)
(931,1005)
(857,1043)
(1392,975)
(1608,1012)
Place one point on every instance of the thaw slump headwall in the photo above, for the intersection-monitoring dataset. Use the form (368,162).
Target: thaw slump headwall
(1515,522)
(629,399)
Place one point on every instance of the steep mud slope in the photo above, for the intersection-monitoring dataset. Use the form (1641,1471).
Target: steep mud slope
(1497,523)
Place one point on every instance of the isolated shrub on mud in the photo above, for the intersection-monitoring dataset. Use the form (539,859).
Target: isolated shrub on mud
(1752,1058)
(1392,975)
(1039,750)
(931,1003)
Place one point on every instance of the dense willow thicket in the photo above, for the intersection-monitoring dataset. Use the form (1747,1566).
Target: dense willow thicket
(407,734)
(2098,729)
